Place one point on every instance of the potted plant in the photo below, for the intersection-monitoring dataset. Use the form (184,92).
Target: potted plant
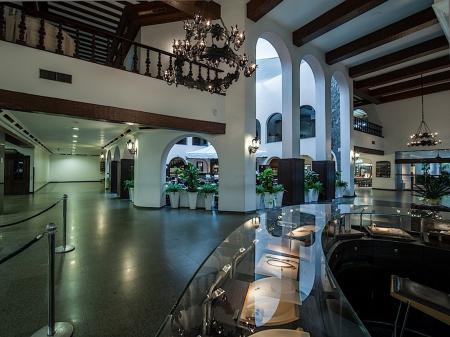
(190,175)
(279,192)
(315,188)
(209,190)
(129,185)
(259,196)
(434,188)
(266,179)
(340,185)
(173,189)
(310,178)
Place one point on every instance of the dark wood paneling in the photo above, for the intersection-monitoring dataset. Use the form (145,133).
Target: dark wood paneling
(256,9)
(17,174)
(114,176)
(33,103)
(126,173)
(327,176)
(404,73)
(361,149)
(419,50)
(211,9)
(335,17)
(417,92)
(291,174)
(392,32)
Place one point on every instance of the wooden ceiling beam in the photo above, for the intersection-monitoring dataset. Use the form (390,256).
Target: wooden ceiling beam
(416,83)
(99,9)
(404,73)
(111,5)
(411,53)
(416,92)
(335,17)
(364,95)
(209,9)
(256,9)
(88,12)
(392,32)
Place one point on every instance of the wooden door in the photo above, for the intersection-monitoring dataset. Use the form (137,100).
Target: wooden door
(126,173)
(114,177)
(17,174)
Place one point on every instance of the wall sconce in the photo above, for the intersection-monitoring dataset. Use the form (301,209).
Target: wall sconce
(255,145)
(102,156)
(131,146)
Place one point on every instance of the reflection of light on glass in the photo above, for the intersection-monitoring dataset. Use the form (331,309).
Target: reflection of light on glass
(72,262)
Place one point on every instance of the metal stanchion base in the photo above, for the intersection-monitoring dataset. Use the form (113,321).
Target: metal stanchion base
(64,249)
(62,329)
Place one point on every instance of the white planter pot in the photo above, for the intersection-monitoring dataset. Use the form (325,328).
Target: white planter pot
(313,195)
(192,197)
(268,200)
(259,200)
(209,200)
(131,194)
(306,196)
(279,199)
(340,192)
(174,199)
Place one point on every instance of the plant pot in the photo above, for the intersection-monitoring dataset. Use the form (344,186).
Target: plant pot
(340,191)
(279,199)
(306,196)
(313,195)
(174,199)
(433,202)
(259,201)
(131,194)
(192,197)
(209,201)
(268,200)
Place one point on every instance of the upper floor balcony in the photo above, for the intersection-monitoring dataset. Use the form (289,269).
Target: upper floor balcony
(363,125)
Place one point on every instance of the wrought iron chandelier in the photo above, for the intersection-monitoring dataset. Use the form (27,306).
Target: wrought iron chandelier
(219,59)
(423,135)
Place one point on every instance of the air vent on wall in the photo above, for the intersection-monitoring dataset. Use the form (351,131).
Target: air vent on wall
(54,76)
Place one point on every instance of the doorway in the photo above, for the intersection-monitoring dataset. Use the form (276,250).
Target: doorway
(17,173)
(114,167)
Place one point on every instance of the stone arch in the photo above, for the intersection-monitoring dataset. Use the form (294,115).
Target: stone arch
(116,154)
(274,129)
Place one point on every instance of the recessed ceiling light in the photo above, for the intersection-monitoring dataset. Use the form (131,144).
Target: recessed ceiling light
(75,136)
(74,141)
(75,128)
(130,123)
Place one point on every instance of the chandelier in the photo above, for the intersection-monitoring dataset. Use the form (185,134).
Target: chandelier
(218,58)
(423,136)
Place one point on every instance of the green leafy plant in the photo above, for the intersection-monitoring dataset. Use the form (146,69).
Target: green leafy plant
(434,187)
(317,185)
(266,179)
(209,188)
(311,178)
(191,177)
(339,181)
(259,189)
(127,184)
(278,188)
(173,187)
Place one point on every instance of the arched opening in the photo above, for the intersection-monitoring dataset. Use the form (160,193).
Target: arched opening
(360,113)
(273,164)
(258,129)
(275,128)
(201,154)
(363,172)
(307,122)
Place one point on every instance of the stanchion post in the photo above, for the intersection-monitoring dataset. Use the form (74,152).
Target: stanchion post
(59,329)
(65,248)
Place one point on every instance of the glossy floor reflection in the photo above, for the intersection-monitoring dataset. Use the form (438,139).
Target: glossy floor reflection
(128,268)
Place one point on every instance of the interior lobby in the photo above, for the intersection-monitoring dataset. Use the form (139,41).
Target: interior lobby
(225,168)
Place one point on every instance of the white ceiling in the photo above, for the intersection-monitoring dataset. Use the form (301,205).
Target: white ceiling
(56,132)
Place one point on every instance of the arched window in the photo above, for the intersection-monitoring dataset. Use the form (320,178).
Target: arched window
(274,128)
(307,121)
(360,113)
(258,129)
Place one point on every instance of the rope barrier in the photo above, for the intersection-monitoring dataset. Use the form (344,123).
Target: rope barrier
(21,249)
(33,216)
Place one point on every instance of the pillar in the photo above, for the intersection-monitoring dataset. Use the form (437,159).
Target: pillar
(323,117)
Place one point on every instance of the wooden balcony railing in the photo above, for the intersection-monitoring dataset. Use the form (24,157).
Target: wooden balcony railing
(365,126)
(57,34)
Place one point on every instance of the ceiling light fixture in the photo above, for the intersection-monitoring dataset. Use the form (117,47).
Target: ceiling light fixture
(75,136)
(75,128)
(423,135)
(131,146)
(74,141)
(195,48)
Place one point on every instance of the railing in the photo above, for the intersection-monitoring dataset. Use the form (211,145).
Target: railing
(365,126)
(63,36)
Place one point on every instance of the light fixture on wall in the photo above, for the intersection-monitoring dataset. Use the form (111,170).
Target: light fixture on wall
(256,142)
(196,47)
(131,147)
(423,136)
(102,156)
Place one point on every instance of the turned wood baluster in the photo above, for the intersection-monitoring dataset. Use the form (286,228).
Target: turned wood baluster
(135,59)
(147,64)
(2,22)
(208,76)
(190,74)
(41,44)
(59,39)
(77,44)
(22,29)
(108,52)
(93,47)
(159,65)
(200,76)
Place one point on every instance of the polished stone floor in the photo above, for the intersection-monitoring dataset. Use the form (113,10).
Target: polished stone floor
(128,268)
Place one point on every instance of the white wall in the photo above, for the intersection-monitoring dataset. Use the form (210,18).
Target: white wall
(74,168)
(41,167)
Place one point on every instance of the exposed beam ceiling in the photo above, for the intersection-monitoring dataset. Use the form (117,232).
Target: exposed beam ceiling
(209,9)
(335,17)
(365,96)
(419,50)
(417,92)
(256,9)
(416,83)
(404,73)
(392,32)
